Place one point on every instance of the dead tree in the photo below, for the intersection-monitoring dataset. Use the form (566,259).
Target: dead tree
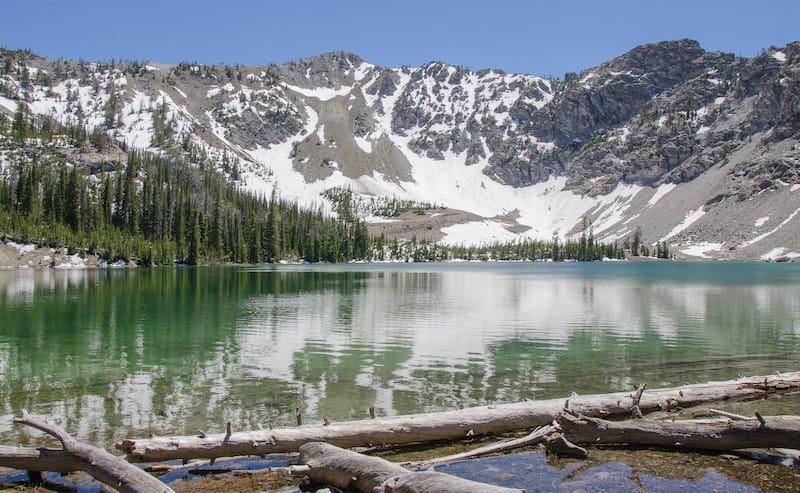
(75,456)
(702,434)
(331,465)
(451,425)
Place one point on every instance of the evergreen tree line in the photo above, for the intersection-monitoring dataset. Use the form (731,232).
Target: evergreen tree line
(638,248)
(522,250)
(156,209)
(153,209)
(157,212)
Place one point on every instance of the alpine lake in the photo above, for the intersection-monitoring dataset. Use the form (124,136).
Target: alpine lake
(115,353)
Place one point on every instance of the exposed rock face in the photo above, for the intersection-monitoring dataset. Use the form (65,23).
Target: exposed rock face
(670,124)
(662,114)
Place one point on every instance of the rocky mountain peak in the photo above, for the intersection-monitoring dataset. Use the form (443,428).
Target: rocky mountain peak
(711,132)
(333,69)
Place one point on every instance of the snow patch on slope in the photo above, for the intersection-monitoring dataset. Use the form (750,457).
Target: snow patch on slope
(690,218)
(8,104)
(321,93)
(779,253)
(364,144)
(660,192)
(137,121)
(701,249)
(770,232)
(488,231)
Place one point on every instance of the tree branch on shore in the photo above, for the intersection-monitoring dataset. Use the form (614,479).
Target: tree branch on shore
(75,456)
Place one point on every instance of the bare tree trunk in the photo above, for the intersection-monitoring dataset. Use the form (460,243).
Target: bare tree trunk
(537,436)
(75,456)
(43,459)
(450,425)
(706,434)
(331,465)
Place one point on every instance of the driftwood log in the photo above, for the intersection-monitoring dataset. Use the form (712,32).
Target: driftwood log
(75,456)
(703,434)
(331,465)
(735,433)
(450,425)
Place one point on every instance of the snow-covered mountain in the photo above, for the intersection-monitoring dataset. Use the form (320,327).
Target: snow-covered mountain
(696,148)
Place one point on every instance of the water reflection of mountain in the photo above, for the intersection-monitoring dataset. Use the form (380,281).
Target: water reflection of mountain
(117,352)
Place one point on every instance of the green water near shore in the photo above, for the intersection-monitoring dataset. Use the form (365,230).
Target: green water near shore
(113,353)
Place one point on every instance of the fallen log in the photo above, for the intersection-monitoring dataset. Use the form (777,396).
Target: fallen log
(537,436)
(450,425)
(702,434)
(75,456)
(333,466)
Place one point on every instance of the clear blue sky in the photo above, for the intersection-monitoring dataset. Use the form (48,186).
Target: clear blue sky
(538,37)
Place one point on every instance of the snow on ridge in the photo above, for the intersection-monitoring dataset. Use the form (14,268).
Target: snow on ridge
(761,221)
(362,71)
(779,56)
(383,123)
(321,93)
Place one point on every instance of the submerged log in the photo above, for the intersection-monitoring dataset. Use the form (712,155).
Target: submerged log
(331,465)
(703,434)
(450,425)
(75,456)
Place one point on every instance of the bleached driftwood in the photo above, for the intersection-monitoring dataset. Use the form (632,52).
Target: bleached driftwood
(75,456)
(703,434)
(450,425)
(538,435)
(736,432)
(334,466)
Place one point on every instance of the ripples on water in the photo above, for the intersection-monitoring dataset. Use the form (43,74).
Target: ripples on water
(116,353)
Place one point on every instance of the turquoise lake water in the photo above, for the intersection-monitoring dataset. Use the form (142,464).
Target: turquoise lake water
(114,353)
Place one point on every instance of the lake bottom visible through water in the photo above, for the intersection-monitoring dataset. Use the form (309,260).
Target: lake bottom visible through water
(109,354)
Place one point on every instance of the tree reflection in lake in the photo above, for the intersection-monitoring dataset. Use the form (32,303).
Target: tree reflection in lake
(113,353)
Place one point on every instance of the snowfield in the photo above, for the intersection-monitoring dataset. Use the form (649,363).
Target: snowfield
(388,115)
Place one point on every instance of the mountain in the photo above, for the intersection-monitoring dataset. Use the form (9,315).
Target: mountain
(698,149)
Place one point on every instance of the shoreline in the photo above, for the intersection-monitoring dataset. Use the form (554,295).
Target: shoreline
(30,256)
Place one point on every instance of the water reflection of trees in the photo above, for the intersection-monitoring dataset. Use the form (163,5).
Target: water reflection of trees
(177,350)
(149,349)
